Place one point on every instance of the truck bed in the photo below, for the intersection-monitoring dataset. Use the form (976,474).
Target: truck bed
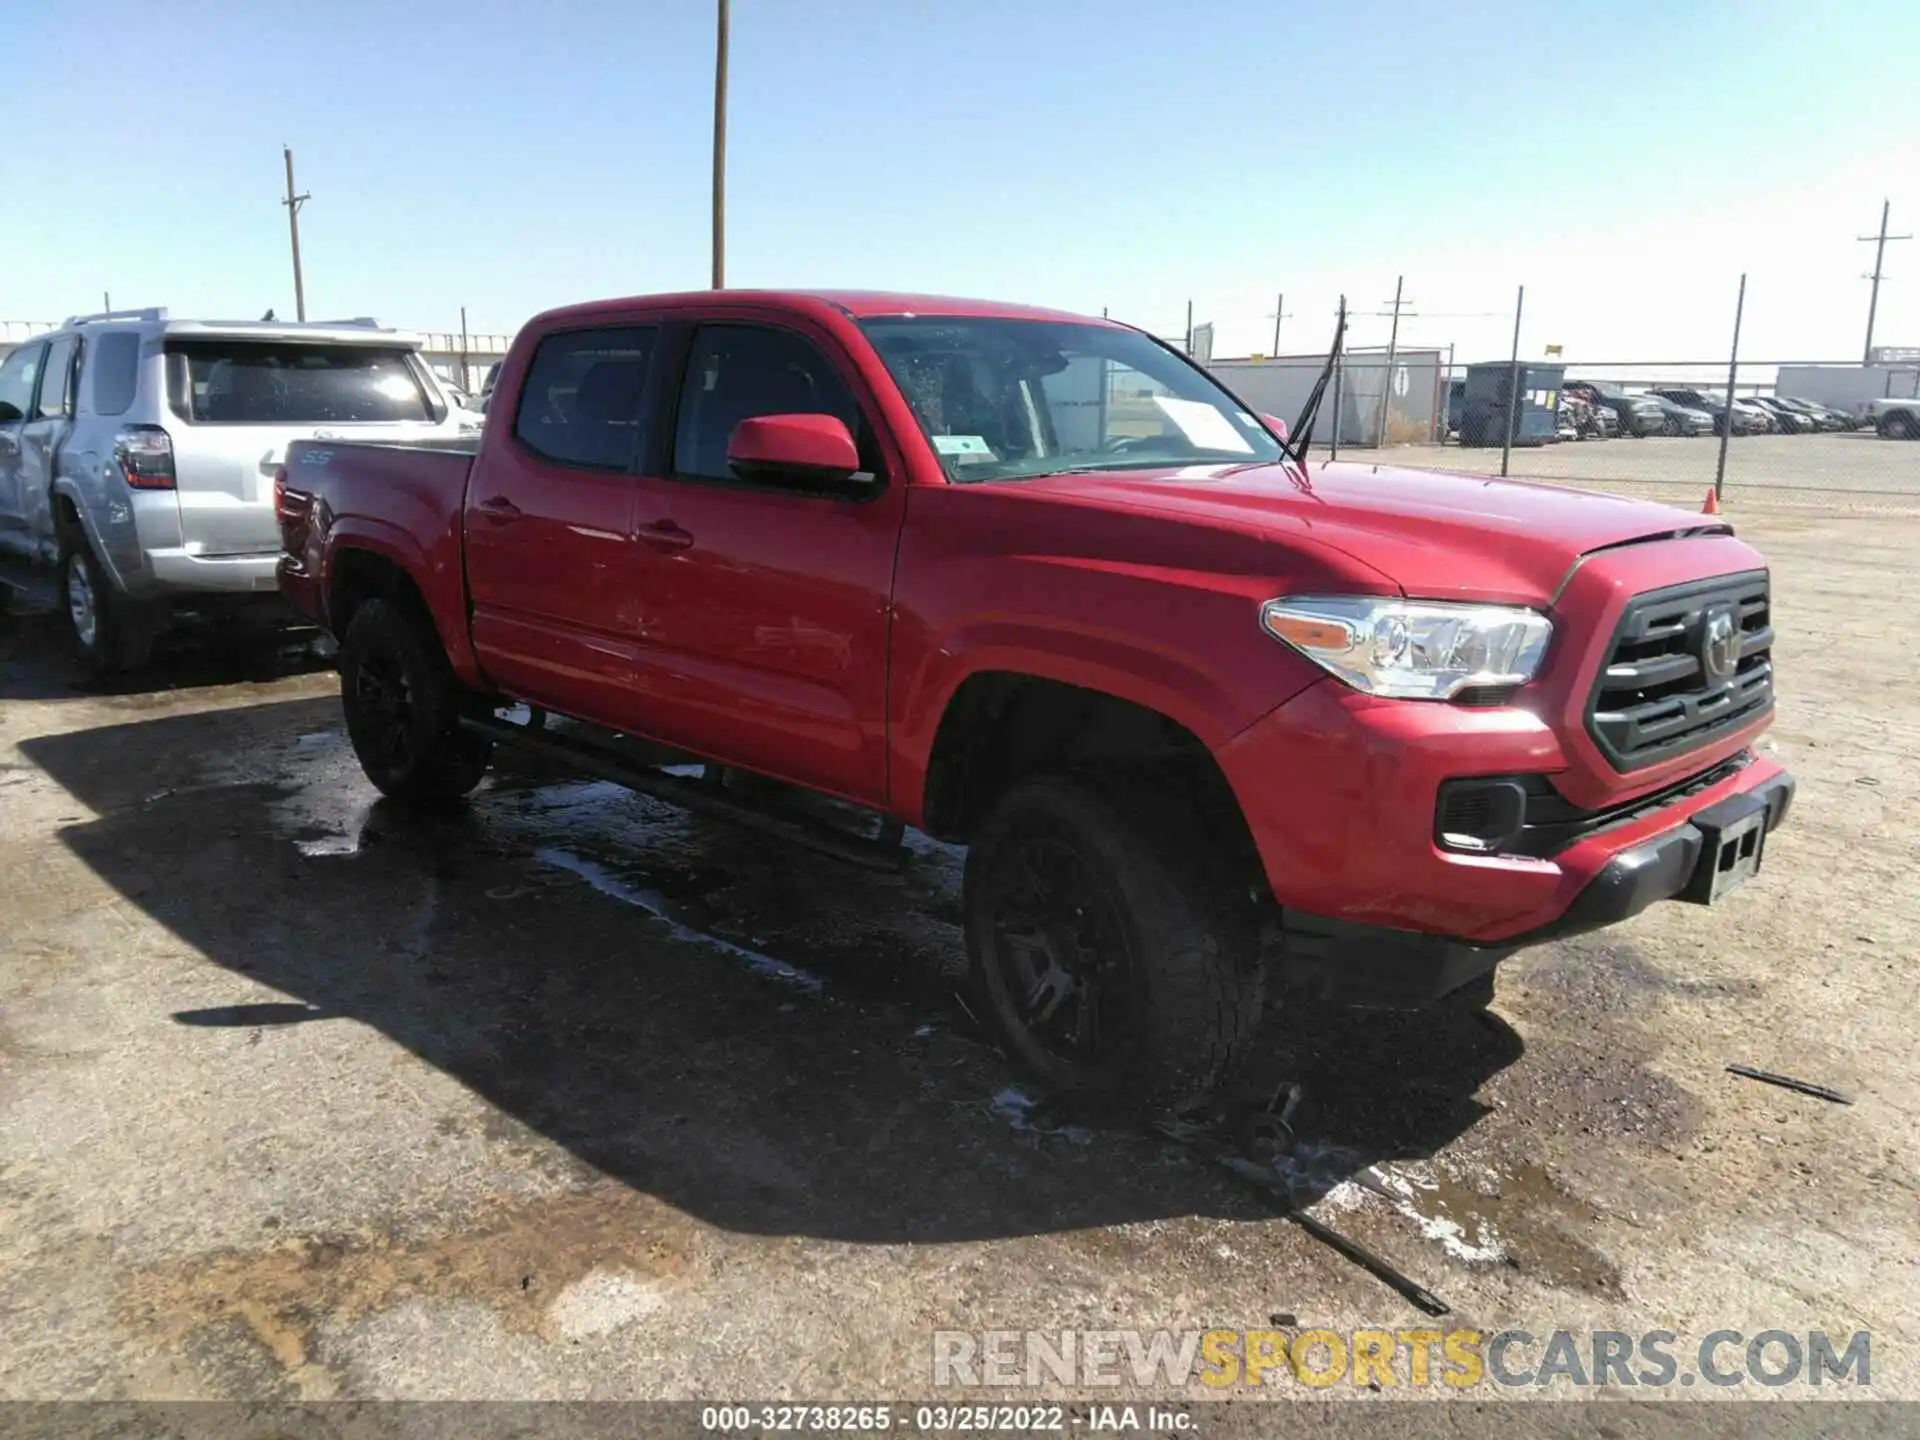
(394,497)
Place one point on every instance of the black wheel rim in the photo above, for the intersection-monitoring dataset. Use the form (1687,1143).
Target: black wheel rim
(383,699)
(1060,949)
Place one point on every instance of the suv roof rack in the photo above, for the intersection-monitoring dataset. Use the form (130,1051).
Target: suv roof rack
(152,312)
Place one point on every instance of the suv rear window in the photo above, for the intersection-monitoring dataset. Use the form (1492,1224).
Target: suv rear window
(254,382)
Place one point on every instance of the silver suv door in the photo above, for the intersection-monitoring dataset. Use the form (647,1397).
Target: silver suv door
(17,376)
(48,425)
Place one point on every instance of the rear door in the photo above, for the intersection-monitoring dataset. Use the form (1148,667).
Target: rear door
(549,526)
(18,376)
(235,404)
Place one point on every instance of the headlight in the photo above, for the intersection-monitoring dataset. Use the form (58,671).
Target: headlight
(1411,649)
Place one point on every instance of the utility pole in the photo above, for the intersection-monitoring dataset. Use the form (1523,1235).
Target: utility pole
(1279,311)
(466,379)
(293,203)
(1513,383)
(106,301)
(1339,350)
(1733,377)
(1879,243)
(1189,344)
(720,146)
(1393,349)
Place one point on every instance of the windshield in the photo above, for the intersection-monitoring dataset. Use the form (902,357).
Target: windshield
(1005,399)
(251,382)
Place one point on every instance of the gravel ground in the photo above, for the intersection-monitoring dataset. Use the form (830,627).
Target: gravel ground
(570,1096)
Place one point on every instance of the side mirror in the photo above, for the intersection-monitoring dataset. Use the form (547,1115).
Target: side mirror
(795,449)
(1277,425)
(9,412)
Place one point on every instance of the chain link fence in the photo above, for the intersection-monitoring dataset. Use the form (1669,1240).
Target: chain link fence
(1819,434)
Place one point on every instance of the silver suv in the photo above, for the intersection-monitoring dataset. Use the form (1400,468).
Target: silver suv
(138,453)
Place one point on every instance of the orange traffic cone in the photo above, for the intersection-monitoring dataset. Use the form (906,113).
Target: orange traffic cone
(1712,507)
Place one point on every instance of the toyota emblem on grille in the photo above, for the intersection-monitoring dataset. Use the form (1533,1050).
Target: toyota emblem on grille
(1719,646)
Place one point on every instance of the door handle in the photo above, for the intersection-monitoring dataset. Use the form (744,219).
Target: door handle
(665,535)
(499,509)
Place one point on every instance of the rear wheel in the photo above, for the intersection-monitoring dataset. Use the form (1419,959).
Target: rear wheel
(1898,425)
(108,631)
(402,703)
(1103,955)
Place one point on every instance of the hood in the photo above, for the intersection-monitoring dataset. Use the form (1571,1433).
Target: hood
(1438,535)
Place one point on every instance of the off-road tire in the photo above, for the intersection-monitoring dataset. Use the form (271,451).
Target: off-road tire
(410,746)
(1191,991)
(117,634)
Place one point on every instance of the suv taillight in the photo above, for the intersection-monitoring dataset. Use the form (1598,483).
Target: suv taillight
(145,457)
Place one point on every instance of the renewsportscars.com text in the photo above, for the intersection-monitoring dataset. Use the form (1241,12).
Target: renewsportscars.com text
(1217,1360)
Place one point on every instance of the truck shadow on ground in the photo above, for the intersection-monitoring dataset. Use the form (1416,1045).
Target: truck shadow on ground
(36,662)
(766,1040)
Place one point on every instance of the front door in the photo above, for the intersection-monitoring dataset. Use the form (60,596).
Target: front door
(763,632)
(48,425)
(17,376)
(548,522)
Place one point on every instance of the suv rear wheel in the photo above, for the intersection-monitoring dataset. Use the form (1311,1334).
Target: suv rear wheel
(402,703)
(1103,955)
(109,633)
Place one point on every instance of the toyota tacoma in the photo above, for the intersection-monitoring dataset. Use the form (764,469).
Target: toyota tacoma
(1218,724)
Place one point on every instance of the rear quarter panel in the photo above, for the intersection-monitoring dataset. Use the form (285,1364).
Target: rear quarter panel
(404,504)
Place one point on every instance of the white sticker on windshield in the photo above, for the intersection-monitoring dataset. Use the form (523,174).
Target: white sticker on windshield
(1204,426)
(966,447)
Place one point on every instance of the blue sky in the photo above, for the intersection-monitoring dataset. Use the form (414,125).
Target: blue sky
(512,156)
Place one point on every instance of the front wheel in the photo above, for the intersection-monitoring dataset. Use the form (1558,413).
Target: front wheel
(402,703)
(1109,960)
(1898,425)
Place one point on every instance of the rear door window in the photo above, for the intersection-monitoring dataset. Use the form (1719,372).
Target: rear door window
(584,394)
(256,382)
(114,366)
(17,375)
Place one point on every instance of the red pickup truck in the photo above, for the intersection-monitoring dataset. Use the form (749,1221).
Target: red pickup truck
(1215,723)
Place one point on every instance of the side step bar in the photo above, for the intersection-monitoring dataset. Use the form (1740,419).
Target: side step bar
(699,796)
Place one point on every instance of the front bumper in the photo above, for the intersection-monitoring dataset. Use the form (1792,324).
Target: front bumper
(1379,966)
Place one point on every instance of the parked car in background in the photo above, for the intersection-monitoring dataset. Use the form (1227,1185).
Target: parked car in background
(1785,418)
(1143,661)
(1829,417)
(1632,414)
(1746,421)
(137,453)
(1897,419)
(1678,419)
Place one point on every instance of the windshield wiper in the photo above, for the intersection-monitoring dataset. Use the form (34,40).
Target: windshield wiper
(1302,435)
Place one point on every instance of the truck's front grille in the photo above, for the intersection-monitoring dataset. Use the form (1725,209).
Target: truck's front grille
(1687,665)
